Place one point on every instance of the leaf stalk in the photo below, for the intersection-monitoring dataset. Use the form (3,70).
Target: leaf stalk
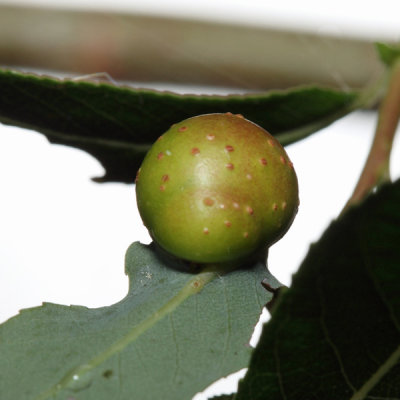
(377,166)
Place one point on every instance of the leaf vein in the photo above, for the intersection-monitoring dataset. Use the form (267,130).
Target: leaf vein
(176,344)
(329,340)
(101,113)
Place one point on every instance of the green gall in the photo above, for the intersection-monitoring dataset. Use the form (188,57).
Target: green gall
(216,188)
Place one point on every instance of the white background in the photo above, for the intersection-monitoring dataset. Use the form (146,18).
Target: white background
(63,238)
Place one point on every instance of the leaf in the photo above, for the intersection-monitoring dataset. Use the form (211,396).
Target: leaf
(117,125)
(335,334)
(173,335)
(388,53)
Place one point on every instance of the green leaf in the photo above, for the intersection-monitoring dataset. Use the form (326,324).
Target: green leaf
(335,334)
(173,335)
(117,124)
(388,53)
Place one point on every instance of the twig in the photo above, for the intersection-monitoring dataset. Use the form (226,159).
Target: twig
(376,169)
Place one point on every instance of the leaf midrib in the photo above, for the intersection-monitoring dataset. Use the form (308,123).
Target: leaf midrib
(376,377)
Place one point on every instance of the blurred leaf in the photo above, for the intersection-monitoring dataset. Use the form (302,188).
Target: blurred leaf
(144,47)
(117,125)
(388,53)
(164,340)
(335,334)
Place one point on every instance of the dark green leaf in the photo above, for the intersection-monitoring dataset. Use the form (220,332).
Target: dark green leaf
(117,125)
(335,334)
(168,339)
(223,397)
(388,53)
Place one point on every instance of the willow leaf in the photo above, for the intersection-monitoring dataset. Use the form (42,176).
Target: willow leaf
(117,124)
(173,335)
(335,334)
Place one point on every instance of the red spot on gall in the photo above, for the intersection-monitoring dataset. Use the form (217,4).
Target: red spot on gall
(137,176)
(208,201)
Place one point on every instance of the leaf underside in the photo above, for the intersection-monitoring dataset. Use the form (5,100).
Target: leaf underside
(335,333)
(117,124)
(202,338)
